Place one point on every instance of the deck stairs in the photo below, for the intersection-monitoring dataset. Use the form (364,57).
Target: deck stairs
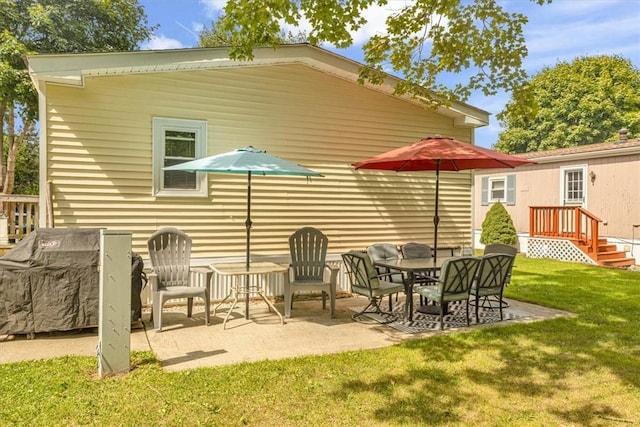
(580,227)
(606,254)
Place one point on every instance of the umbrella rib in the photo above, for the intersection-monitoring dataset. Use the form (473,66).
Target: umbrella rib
(401,168)
(505,164)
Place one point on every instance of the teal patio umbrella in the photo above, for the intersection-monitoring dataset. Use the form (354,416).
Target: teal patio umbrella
(249,161)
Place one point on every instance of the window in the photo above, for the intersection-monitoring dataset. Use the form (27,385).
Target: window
(573,191)
(499,189)
(574,186)
(178,141)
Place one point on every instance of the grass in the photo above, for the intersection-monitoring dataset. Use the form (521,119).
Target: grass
(582,370)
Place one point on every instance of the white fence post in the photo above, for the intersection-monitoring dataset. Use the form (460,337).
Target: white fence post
(4,229)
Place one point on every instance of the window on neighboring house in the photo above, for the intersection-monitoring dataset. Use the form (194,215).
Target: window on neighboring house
(573,186)
(177,141)
(499,189)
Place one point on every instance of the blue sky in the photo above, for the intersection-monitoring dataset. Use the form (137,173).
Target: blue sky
(561,31)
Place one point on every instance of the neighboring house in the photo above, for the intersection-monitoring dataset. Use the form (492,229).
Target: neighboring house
(601,179)
(109,120)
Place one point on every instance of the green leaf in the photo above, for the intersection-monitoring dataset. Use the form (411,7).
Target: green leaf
(477,40)
(56,26)
(582,102)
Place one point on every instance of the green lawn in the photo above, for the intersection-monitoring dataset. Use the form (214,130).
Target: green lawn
(570,371)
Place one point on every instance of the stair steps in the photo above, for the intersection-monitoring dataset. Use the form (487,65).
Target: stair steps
(607,255)
(617,262)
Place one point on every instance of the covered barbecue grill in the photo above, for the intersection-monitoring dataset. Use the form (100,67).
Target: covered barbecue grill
(49,282)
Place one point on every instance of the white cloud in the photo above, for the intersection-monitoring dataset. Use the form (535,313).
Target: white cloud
(303,25)
(213,8)
(569,29)
(197,27)
(160,42)
(590,7)
(376,17)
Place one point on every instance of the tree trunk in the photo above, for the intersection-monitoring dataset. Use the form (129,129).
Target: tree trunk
(3,109)
(13,142)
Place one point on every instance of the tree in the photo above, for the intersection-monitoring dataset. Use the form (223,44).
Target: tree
(498,227)
(216,36)
(18,105)
(53,26)
(26,181)
(582,102)
(423,40)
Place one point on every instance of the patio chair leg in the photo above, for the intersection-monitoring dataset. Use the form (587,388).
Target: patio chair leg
(157,320)
(375,305)
(207,305)
(332,301)
(354,316)
(467,312)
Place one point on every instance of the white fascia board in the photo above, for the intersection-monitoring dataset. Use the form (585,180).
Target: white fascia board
(470,121)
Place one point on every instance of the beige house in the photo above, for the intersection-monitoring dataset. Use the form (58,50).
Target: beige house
(601,179)
(109,120)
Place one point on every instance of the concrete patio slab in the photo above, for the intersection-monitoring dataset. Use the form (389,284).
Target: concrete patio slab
(187,343)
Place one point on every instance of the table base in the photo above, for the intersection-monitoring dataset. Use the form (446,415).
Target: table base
(432,309)
(242,291)
(242,286)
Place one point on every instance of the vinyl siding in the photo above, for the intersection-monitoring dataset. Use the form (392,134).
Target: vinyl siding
(612,196)
(100,147)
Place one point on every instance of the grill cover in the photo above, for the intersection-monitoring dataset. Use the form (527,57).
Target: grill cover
(49,281)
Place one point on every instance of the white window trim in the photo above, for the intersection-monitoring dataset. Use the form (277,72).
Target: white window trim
(490,193)
(563,171)
(160,124)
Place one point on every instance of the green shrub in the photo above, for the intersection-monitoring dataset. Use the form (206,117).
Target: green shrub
(498,227)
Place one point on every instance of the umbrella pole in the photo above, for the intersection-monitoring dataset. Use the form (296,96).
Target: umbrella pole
(436,218)
(248,223)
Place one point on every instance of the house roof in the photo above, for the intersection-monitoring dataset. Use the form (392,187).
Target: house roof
(589,151)
(71,69)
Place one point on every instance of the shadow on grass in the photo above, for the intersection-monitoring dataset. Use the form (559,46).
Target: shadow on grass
(535,360)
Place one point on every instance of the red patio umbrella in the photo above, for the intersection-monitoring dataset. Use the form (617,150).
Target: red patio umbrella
(440,153)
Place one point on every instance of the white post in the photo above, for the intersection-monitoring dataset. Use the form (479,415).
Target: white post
(114,328)
(4,229)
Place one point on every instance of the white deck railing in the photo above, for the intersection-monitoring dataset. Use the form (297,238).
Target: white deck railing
(19,216)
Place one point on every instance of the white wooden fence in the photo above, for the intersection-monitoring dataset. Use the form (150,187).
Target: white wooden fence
(19,216)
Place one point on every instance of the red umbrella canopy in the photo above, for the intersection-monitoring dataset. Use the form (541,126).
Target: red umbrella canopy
(440,153)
